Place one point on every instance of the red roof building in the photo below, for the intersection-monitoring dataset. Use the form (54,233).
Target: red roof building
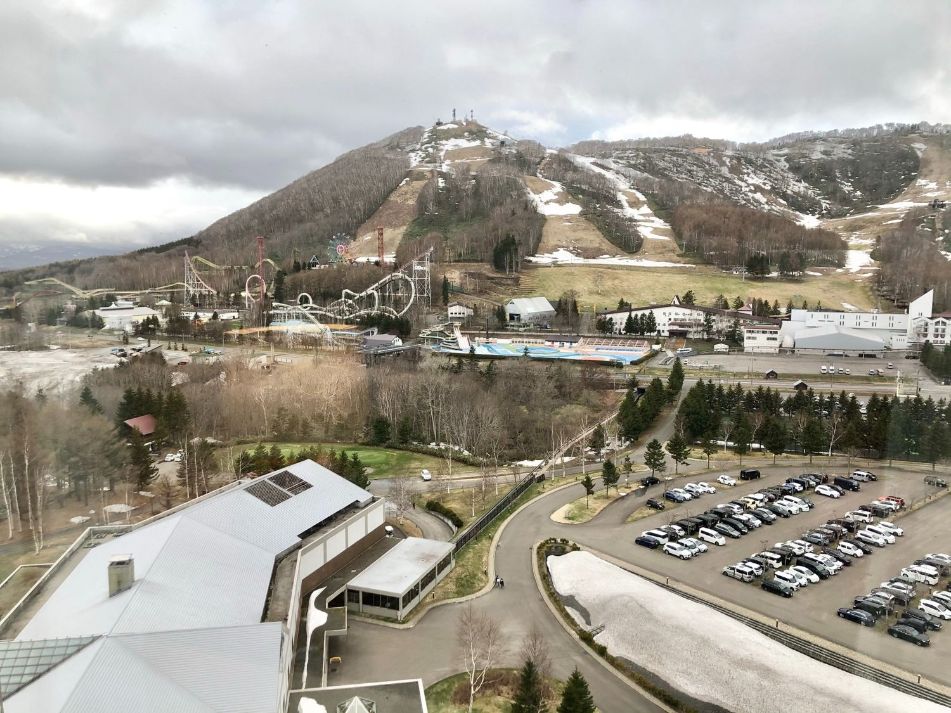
(143,424)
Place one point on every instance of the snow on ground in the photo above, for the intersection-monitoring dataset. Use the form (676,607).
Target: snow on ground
(56,371)
(565,257)
(387,257)
(731,666)
(814,274)
(808,221)
(850,307)
(547,203)
(855,260)
(443,127)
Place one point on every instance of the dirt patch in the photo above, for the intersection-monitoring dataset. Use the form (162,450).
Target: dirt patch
(585,508)
(468,153)
(574,233)
(395,214)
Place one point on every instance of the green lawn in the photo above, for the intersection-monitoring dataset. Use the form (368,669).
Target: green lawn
(380,462)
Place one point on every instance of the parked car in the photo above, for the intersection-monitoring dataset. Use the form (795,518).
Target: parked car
(939,556)
(736,571)
(847,548)
(917,573)
(873,606)
(859,616)
(767,516)
(842,559)
(694,489)
(725,529)
(694,544)
(816,538)
(804,573)
(737,525)
(795,484)
(892,528)
(916,624)
(777,508)
(749,474)
(647,541)
(846,483)
(906,633)
(943,598)
(867,474)
(750,520)
(658,534)
(871,538)
(827,491)
(900,585)
(675,549)
(932,623)
(777,586)
(814,567)
(711,536)
(896,595)
(775,561)
(865,547)
(649,480)
(726,480)
(883,532)
(895,499)
(675,497)
(789,579)
(934,608)
(655,504)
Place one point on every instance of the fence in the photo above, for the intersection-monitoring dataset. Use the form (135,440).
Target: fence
(475,528)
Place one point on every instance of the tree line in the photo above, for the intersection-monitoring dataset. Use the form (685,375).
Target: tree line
(909,429)
(261,460)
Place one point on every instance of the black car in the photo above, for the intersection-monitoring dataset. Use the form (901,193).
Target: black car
(651,543)
(828,532)
(767,516)
(809,503)
(875,607)
(707,519)
(905,632)
(737,525)
(939,565)
(788,489)
(848,525)
(654,504)
(867,549)
(689,528)
(784,552)
(749,474)
(774,586)
(835,554)
(859,616)
(649,480)
(770,495)
(814,567)
(916,624)
(837,529)
(725,529)
(929,620)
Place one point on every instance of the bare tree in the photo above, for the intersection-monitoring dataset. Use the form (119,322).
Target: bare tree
(481,645)
(535,649)
(403,492)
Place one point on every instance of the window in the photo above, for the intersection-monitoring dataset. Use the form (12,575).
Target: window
(353,596)
(427,578)
(383,601)
(446,561)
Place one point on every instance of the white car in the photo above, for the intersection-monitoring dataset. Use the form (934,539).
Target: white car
(943,597)
(177,458)
(657,535)
(169,457)
(706,488)
(807,546)
(795,547)
(711,536)
(726,480)
(750,520)
(894,529)
(757,568)
(847,548)
(774,560)
(934,608)
(793,506)
(830,562)
(694,489)
(738,571)
(694,544)
(678,550)
(685,494)
(859,516)
(799,577)
(810,576)
(901,586)
(939,556)
(871,538)
(886,535)
(426,475)
(828,492)
(789,579)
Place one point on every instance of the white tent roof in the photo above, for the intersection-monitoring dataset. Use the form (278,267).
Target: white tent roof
(529,305)
(401,567)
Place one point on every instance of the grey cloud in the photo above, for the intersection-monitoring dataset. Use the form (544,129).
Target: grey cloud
(255,94)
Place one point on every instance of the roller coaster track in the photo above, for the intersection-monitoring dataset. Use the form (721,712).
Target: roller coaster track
(394,295)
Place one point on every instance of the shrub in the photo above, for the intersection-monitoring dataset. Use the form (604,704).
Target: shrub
(448,513)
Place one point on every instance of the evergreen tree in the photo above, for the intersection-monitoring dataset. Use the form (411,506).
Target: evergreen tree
(650,324)
(530,696)
(597,439)
(707,325)
(742,435)
(688,298)
(812,437)
(629,327)
(773,436)
(654,457)
(259,460)
(935,443)
(445,290)
(737,303)
(588,486)
(87,399)
(576,696)
(140,462)
(610,475)
(379,431)
(675,380)
(679,450)
(708,448)
(279,286)
(357,472)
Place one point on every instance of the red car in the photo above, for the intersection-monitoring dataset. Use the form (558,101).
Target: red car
(895,499)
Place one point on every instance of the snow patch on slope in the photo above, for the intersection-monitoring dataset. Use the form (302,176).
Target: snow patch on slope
(562,256)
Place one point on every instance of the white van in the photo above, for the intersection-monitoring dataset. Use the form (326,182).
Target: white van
(823,369)
(684,351)
(711,536)
(426,475)
(859,516)
(916,575)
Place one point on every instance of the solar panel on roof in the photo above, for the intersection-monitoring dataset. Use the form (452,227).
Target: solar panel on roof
(289,482)
(267,493)
(22,662)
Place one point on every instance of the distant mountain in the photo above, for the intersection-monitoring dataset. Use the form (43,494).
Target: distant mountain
(20,255)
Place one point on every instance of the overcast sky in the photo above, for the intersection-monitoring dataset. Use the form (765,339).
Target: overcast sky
(138,121)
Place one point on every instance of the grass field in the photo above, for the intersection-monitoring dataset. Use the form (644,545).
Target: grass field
(600,287)
(380,462)
(451,694)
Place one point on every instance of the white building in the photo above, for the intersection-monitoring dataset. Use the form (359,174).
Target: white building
(199,604)
(536,310)
(761,338)
(458,312)
(822,331)
(124,316)
(680,320)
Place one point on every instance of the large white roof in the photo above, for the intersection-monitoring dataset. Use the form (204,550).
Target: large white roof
(208,565)
(528,305)
(401,567)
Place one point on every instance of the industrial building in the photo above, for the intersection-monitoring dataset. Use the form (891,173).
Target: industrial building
(197,609)
(535,310)
(867,333)
(123,316)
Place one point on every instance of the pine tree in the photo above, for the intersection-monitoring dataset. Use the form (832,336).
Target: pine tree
(609,475)
(708,448)
(742,435)
(650,324)
(773,436)
(530,697)
(576,697)
(679,450)
(87,399)
(588,486)
(445,290)
(597,439)
(675,380)
(654,457)
(357,472)
(140,462)
(629,326)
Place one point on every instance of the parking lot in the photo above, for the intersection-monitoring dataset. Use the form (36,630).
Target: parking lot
(813,608)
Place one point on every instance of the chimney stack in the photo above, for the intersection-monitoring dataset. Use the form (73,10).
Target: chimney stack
(121,574)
